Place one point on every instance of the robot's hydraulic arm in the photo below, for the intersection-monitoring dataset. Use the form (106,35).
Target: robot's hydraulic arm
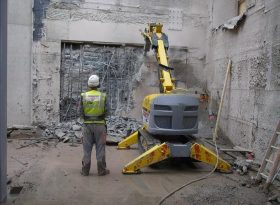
(176,107)
(155,38)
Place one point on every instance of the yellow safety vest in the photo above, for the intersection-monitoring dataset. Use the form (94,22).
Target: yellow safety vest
(93,103)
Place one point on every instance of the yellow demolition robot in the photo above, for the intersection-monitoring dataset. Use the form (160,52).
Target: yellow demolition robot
(169,118)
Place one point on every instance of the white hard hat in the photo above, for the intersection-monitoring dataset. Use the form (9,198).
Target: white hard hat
(93,81)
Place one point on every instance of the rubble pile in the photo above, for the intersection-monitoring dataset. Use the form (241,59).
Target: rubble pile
(71,131)
(120,127)
(66,132)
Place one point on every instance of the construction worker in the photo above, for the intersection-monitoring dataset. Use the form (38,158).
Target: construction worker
(94,129)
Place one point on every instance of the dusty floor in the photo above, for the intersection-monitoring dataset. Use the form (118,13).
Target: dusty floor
(49,174)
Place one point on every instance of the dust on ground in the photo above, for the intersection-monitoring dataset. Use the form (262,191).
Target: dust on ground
(50,174)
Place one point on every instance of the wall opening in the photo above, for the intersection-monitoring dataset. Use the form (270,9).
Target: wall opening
(116,67)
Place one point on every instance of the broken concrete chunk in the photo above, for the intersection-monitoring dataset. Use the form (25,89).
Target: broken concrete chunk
(47,132)
(78,134)
(76,128)
(59,133)
(242,165)
(233,22)
(120,127)
(66,139)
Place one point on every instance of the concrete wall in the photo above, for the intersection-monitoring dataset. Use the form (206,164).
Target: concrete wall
(222,10)
(252,101)
(3,100)
(252,104)
(19,61)
(107,21)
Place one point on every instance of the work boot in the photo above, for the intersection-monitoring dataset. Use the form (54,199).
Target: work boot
(85,169)
(101,168)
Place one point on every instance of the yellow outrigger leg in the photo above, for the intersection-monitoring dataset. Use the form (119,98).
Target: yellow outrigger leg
(151,156)
(130,140)
(202,154)
(166,150)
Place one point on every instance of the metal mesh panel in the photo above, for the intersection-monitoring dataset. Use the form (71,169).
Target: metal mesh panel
(116,67)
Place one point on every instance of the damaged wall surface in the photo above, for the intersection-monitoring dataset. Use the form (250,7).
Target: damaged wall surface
(109,21)
(252,104)
(116,66)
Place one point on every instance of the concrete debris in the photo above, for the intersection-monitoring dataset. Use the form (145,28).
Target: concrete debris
(59,133)
(120,127)
(76,127)
(64,132)
(78,134)
(71,131)
(232,23)
(66,139)
(242,165)
(47,132)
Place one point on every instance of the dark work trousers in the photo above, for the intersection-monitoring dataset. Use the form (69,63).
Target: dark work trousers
(94,134)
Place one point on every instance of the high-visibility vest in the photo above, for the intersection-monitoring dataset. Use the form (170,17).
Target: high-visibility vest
(93,103)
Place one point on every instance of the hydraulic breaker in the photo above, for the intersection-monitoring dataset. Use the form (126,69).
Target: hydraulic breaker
(130,140)
(153,155)
(201,153)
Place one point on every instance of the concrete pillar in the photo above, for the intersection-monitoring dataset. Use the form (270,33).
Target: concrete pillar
(3,100)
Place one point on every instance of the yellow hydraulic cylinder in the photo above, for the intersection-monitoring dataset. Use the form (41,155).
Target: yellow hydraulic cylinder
(166,79)
(153,155)
(201,153)
(162,53)
(130,140)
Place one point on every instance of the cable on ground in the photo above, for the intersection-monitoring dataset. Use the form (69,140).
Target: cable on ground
(195,180)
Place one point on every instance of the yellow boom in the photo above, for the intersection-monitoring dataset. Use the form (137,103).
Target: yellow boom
(155,36)
(158,150)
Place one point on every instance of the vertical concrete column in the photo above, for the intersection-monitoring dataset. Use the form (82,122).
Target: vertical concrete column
(3,100)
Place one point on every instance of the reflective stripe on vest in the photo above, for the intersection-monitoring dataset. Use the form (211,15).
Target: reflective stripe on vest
(93,104)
